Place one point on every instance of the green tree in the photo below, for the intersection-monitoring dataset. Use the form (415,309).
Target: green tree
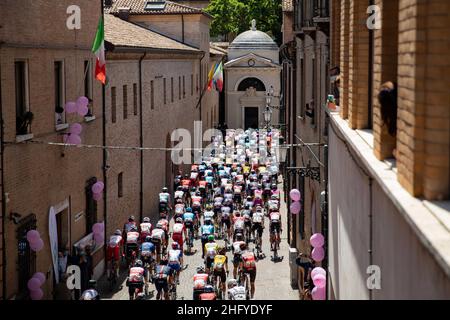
(232,17)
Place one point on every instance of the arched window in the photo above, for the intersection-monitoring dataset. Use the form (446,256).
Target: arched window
(251,82)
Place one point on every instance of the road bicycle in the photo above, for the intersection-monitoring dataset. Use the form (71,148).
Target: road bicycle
(113,274)
(244,280)
(173,288)
(189,240)
(275,243)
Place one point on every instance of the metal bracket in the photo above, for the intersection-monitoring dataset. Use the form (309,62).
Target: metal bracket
(308,172)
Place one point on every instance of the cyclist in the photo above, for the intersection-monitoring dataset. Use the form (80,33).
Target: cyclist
(200,282)
(235,291)
(189,220)
(237,189)
(127,227)
(220,267)
(113,252)
(275,228)
(226,219)
(206,230)
(179,194)
(132,244)
(197,203)
(211,249)
(247,265)
(258,225)
(148,251)
(162,278)
(164,200)
(176,259)
(238,224)
(275,191)
(136,279)
(164,225)
(209,213)
(247,215)
(273,204)
(178,231)
(203,188)
(158,238)
(145,228)
(179,211)
(236,250)
(91,292)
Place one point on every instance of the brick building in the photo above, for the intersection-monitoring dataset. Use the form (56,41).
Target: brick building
(158,59)
(43,65)
(401,178)
(388,171)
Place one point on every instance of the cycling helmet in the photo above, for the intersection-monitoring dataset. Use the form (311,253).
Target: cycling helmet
(274,187)
(198,193)
(148,239)
(274,197)
(179,220)
(200,269)
(210,237)
(131,218)
(165,189)
(146,219)
(208,222)
(179,188)
(243,246)
(175,245)
(186,176)
(247,207)
(138,264)
(249,198)
(117,232)
(259,186)
(239,237)
(193,189)
(133,228)
(159,225)
(222,250)
(208,207)
(189,209)
(164,261)
(237,214)
(232,283)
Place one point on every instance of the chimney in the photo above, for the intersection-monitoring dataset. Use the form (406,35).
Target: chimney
(108,3)
(124,13)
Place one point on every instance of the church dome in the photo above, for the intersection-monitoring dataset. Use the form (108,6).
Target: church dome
(253,39)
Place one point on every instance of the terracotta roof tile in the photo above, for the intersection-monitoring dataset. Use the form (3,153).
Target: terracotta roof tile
(121,33)
(138,7)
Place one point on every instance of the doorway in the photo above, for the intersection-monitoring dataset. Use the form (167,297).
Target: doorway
(251,118)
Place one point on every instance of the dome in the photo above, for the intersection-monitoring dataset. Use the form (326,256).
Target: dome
(253,39)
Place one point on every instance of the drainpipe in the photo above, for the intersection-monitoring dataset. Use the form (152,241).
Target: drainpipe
(370,230)
(202,90)
(2,162)
(182,28)
(141,138)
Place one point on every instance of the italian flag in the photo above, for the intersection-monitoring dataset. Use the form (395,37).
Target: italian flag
(210,76)
(98,49)
(218,77)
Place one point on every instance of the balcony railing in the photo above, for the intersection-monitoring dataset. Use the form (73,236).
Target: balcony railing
(309,13)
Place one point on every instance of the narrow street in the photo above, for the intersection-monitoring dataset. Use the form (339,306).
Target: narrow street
(272,279)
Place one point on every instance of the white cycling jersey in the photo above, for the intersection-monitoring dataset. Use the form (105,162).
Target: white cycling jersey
(237,293)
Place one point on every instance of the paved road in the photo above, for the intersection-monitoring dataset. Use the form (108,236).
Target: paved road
(272,279)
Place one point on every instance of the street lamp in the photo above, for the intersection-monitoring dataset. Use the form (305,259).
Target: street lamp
(267,116)
(281,153)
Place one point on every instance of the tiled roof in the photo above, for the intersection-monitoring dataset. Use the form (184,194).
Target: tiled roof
(121,33)
(288,5)
(138,7)
(216,51)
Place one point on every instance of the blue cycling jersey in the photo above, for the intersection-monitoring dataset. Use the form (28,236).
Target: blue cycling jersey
(188,215)
(209,179)
(207,229)
(147,246)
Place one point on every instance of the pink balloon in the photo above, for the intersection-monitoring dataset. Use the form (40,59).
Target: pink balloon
(318,254)
(82,110)
(40,276)
(318,270)
(82,101)
(295,207)
(75,128)
(36,294)
(98,187)
(295,195)
(33,235)
(318,293)
(74,139)
(37,246)
(317,240)
(71,107)
(98,228)
(99,238)
(97,196)
(33,284)
(320,281)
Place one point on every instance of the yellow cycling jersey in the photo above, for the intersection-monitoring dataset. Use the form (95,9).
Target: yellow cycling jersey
(246,169)
(220,260)
(211,248)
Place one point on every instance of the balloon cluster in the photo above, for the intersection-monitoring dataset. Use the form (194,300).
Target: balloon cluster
(98,231)
(318,275)
(80,107)
(34,285)
(97,190)
(35,241)
(296,206)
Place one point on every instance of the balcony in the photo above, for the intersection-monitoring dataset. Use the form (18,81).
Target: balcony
(311,15)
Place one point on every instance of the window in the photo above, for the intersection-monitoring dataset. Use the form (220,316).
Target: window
(113,104)
(91,205)
(135,102)
(120,185)
(179,88)
(184,87)
(125,101)
(23,116)
(171,89)
(251,82)
(192,84)
(164,89)
(152,95)
(88,86)
(60,117)
(196,81)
